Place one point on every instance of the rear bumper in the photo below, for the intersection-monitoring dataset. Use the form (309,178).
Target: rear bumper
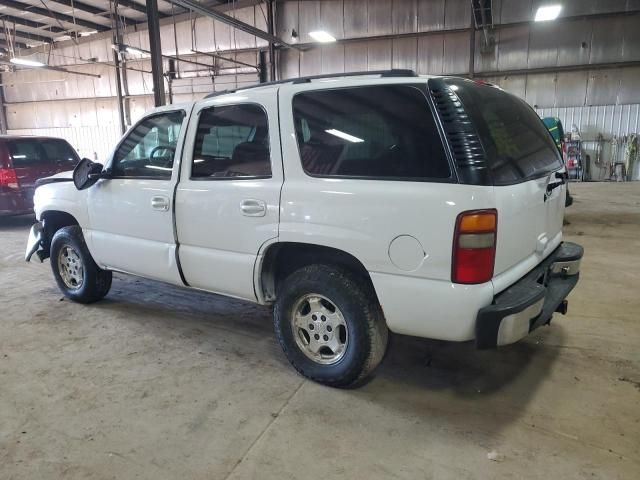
(531,301)
(15,202)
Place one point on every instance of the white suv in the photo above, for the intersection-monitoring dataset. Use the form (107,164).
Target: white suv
(428,206)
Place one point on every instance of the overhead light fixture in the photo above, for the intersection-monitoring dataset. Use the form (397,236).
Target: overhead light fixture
(344,136)
(548,12)
(322,36)
(122,48)
(26,62)
(135,51)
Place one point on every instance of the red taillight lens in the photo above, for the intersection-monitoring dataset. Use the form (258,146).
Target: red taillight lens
(474,246)
(8,178)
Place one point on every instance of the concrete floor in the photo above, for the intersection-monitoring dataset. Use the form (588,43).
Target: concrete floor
(158,382)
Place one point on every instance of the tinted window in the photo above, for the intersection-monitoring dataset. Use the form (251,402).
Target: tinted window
(375,132)
(232,142)
(39,151)
(516,143)
(149,149)
(59,151)
(25,153)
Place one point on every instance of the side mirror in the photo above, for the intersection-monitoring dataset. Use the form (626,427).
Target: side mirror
(87,173)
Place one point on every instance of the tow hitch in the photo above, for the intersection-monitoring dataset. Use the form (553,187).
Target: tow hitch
(563,307)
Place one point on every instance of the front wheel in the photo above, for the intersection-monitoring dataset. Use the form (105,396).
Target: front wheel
(74,269)
(330,325)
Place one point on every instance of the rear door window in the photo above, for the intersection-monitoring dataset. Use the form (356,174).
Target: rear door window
(26,153)
(232,142)
(517,145)
(377,132)
(60,152)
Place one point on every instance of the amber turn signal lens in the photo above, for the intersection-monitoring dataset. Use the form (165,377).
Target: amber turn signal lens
(477,222)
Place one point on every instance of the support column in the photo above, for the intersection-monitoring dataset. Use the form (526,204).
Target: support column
(116,60)
(155,47)
(272,48)
(3,112)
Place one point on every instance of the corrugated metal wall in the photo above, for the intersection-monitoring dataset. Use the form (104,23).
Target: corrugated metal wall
(94,142)
(84,110)
(429,36)
(597,100)
(608,120)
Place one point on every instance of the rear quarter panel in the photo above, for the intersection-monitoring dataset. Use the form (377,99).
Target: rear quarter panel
(363,217)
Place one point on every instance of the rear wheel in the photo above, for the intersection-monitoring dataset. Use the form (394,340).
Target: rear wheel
(75,271)
(329,325)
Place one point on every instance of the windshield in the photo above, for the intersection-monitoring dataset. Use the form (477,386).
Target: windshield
(517,145)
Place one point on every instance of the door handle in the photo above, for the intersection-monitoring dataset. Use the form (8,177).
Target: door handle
(160,203)
(253,208)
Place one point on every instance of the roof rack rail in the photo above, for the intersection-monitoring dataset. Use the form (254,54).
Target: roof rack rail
(382,73)
(295,81)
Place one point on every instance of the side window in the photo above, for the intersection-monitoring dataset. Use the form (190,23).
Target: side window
(149,148)
(26,153)
(369,132)
(60,152)
(232,142)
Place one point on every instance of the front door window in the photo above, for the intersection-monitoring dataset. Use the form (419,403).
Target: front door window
(149,149)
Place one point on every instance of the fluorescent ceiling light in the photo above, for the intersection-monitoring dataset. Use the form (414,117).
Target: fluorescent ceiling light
(344,136)
(26,62)
(548,12)
(322,36)
(135,50)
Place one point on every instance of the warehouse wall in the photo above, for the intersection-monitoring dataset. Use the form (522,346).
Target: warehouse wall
(84,109)
(429,36)
(595,99)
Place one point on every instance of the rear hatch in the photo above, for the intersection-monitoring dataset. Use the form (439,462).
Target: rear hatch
(521,161)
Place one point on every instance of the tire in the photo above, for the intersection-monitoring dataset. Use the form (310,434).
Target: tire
(359,330)
(76,273)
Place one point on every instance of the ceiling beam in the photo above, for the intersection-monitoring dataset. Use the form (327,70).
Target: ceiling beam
(6,61)
(4,44)
(137,7)
(99,11)
(29,36)
(31,24)
(84,7)
(61,17)
(245,27)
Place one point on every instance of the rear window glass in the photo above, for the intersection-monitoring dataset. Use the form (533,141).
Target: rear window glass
(369,132)
(517,144)
(28,152)
(25,153)
(59,151)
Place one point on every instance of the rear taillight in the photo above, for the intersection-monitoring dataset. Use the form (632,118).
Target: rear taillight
(474,246)
(8,178)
